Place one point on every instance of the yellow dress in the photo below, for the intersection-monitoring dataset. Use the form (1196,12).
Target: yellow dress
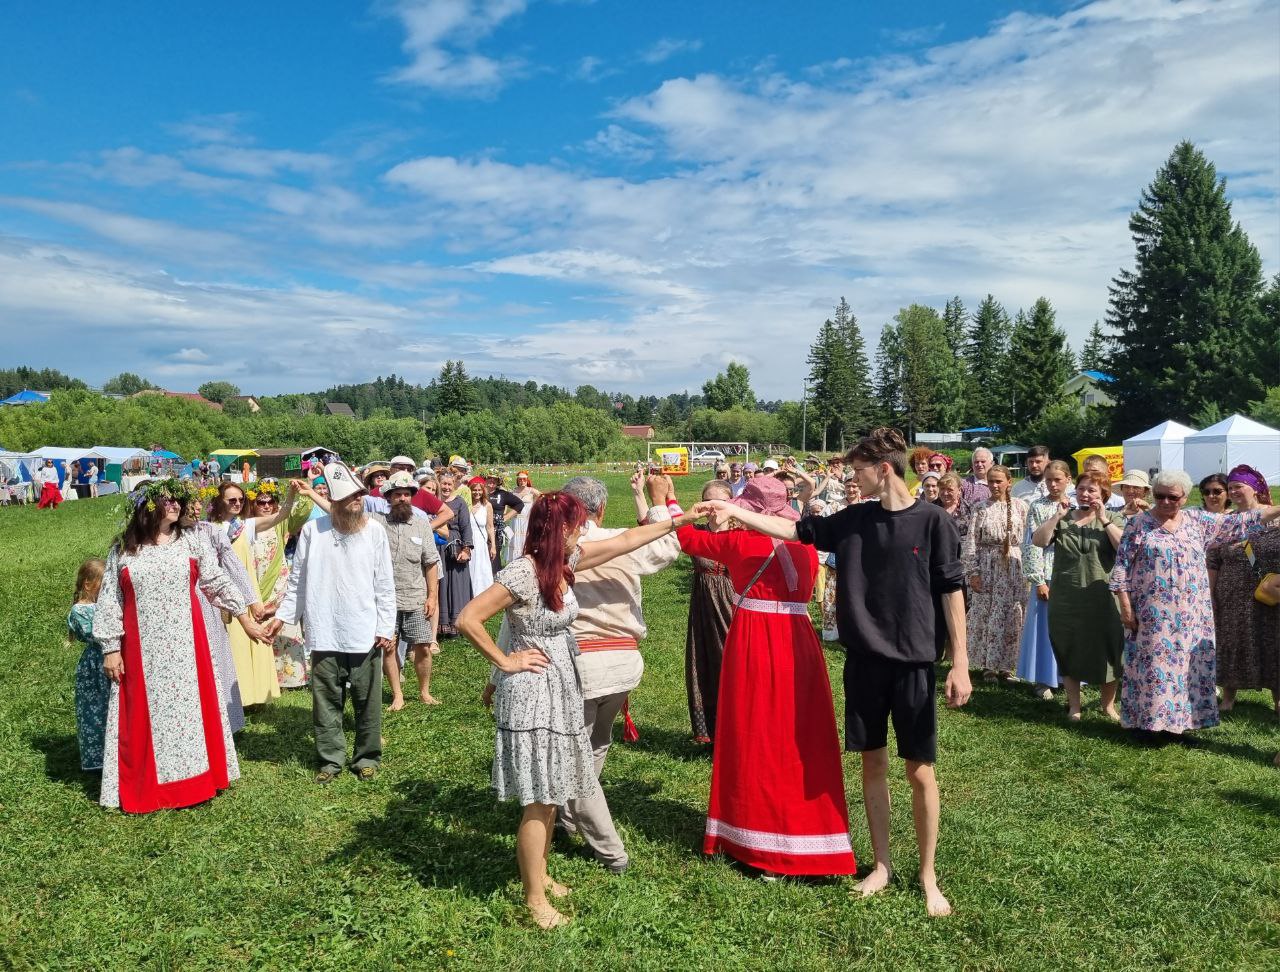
(255,663)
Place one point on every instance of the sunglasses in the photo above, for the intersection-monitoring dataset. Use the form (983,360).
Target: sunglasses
(1213,492)
(265,500)
(234,501)
(1167,497)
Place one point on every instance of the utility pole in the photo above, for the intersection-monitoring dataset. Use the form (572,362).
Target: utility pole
(804,419)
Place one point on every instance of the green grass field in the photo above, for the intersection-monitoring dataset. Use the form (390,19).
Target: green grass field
(1062,846)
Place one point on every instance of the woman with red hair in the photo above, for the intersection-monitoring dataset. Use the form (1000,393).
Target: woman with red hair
(543,756)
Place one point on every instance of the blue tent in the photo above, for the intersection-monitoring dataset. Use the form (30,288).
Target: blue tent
(25,397)
(164,454)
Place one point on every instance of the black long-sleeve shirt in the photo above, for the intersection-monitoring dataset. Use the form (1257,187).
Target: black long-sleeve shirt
(892,568)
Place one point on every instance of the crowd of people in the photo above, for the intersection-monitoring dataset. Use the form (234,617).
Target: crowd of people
(215,600)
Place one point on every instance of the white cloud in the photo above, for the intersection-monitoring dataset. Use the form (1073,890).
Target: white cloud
(135,231)
(441,36)
(667,48)
(191,355)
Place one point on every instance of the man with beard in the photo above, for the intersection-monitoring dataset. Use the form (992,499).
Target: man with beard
(415,567)
(342,591)
(1033,487)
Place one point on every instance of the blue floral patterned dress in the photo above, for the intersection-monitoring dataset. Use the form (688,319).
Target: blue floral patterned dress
(93,688)
(1170,664)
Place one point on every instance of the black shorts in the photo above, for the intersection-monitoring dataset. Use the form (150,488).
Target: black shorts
(877,689)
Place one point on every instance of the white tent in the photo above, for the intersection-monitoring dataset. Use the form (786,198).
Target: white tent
(12,464)
(63,454)
(116,456)
(1231,442)
(1158,448)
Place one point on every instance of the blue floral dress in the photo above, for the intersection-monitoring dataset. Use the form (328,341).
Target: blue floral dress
(93,688)
(1170,664)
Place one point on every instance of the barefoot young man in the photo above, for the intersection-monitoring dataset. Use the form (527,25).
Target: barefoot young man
(415,567)
(900,594)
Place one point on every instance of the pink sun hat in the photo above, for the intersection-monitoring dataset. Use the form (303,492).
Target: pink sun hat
(766,495)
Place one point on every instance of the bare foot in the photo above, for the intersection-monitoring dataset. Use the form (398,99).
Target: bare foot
(935,902)
(875,882)
(396,704)
(435,649)
(556,889)
(546,917)
(428,699)
(1074,716)
(1113,714)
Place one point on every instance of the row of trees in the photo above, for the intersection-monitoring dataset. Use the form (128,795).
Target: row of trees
(561,432)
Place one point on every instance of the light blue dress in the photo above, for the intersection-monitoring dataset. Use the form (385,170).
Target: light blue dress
(1035,655)
(93,688)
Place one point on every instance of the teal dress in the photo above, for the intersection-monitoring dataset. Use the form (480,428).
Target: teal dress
(93,688)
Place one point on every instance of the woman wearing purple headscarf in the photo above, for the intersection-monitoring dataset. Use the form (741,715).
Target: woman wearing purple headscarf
(1162,582)
(1248,632)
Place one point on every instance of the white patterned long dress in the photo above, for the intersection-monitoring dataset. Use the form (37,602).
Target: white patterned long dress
(168,741)
(224,664)
(996,614)
(542,754)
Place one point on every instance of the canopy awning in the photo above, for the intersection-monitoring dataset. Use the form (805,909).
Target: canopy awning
(221,454)
(164,454)
(25,397)
(119,455)
(67,455)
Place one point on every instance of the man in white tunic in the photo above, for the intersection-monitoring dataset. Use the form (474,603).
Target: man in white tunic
(342,591)
(608,630)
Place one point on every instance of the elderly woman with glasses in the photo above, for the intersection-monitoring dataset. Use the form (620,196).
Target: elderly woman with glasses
(1162,581)
(1248,631)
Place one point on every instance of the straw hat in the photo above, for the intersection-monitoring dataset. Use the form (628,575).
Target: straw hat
(1134,477)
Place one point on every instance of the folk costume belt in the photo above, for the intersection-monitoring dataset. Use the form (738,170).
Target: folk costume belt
(609,644)
(773,607)
(715,569)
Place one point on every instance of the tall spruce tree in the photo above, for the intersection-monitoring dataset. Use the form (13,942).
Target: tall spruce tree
(855,409)
(985,357)
(1040,362)
(824,378)
(1093,355)
(1187,317)
(455,390)
(926,362)
(890,371)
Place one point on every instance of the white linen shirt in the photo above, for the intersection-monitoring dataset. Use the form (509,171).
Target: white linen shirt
(341,588)
(609,607)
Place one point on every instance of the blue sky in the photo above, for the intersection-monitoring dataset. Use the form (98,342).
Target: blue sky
(291,194)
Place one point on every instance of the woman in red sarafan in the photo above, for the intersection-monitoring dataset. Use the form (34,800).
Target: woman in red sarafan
(777,785)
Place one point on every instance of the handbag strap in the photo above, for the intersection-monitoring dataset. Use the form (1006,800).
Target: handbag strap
(1252,558)
(763,567)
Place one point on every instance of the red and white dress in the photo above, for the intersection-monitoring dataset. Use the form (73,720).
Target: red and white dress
(168,741)
(777,785)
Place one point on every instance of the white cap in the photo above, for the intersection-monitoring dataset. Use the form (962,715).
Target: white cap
(403,461)
(770,464)
(341,482)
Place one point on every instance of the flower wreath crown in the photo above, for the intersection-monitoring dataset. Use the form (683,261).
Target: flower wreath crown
(149,492)
(263,487)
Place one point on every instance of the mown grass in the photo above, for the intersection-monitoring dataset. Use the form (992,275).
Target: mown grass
(1062,847)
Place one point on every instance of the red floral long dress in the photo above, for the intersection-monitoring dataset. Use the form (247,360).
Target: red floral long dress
(777,786)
